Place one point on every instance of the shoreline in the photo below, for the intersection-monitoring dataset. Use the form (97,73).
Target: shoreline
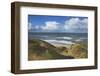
(62,43)
(40,49)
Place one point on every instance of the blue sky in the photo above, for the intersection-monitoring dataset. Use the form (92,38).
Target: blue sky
(44,23)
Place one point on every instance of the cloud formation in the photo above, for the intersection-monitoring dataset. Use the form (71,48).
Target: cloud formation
(76,24)
(29,26)
(50,25)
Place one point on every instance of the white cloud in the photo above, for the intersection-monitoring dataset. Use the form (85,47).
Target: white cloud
(36,27)
(50,25)
(76,24)
(71,25)
(29,26)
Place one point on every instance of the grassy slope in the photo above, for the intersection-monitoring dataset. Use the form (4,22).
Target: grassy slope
(41,50)
(78,50)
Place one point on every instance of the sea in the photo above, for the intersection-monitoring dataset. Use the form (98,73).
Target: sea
(59,38)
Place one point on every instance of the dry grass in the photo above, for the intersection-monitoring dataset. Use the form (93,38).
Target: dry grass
(40,50)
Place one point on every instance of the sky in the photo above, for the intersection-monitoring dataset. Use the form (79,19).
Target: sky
(68,24)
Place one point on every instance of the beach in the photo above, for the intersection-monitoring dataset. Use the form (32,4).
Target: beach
(43,46)
(59,43)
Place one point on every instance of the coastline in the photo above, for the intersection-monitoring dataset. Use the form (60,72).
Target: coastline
(60,43)
(42,50)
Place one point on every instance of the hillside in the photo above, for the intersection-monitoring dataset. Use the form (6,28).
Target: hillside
(41,50)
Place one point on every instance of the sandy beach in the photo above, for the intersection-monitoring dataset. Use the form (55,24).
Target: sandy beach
(58,43)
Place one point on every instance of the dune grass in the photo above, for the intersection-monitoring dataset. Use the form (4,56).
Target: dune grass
(41,50)
(77,50)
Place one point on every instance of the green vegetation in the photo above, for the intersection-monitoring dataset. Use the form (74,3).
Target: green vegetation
(78,50)
(41,50)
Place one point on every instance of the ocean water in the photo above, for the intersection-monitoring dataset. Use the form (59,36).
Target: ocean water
(59,38)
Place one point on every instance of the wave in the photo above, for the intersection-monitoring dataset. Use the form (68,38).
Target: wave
(59,42)
(69,38)
(81,39)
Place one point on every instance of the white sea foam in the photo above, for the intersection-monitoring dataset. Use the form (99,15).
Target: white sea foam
(80,39)
(69,38)
(59,42)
